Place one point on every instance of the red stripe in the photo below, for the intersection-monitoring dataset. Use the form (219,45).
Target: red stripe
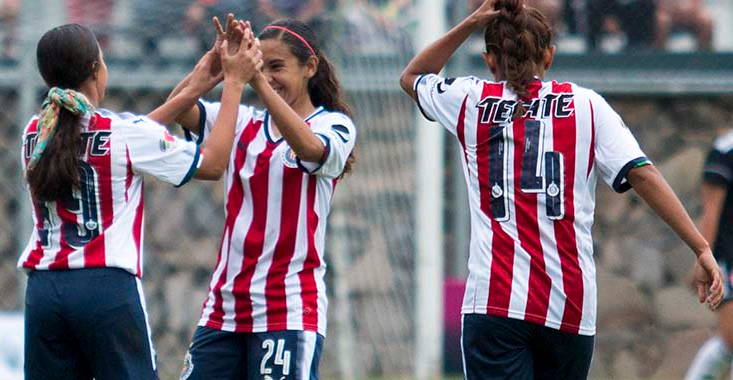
(308,287)
(461,130)
(528,229)
(129,176)
(564,141)
(235,198)
(275,295)
(137,231)
(592,153)
(502,246)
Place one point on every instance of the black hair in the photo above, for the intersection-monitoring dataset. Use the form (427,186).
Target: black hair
(67,56)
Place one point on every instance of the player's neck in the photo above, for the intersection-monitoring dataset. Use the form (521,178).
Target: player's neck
(303,107)
(89,89)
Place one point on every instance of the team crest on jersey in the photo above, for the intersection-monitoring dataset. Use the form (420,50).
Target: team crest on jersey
(187,369)
(166,142)
(289,158)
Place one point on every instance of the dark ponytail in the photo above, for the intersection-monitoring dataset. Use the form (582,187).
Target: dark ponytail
(518,38)
(67,56)
(324,88)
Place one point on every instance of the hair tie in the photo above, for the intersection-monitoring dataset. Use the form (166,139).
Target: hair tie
(74,102)
(298,36)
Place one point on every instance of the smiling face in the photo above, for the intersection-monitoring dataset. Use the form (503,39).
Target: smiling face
(287,76)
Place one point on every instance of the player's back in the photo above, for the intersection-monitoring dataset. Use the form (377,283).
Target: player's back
(531,182)
(100,223)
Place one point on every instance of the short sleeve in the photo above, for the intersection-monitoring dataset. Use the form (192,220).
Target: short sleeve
(208,112)
(718,167)
(152,150)
(440,99)
(616,150)
(338,134)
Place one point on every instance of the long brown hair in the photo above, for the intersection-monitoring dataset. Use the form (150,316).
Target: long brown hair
(67,56)
(518,38)
(324,88)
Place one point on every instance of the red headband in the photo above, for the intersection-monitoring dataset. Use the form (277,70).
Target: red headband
(298,36)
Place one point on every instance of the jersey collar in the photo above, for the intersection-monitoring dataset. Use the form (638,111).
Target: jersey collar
(268,124)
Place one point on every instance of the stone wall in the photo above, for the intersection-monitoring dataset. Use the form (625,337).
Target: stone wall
(649,322)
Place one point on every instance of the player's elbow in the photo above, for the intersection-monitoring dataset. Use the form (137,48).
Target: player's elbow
(211,170)
(407,79)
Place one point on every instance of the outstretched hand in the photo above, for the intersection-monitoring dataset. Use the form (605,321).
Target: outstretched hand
(245,61)
(708,280)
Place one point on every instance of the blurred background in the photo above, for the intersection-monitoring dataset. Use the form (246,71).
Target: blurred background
(665,65)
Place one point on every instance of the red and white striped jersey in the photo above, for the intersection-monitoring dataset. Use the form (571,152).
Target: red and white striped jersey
(270,271)
(531,187)
(101,224)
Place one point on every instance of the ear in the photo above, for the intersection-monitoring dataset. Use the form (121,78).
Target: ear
(550,56)
(95,69)
(311,67)
(490,61)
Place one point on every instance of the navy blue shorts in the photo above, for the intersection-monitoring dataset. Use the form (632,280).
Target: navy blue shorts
(276,355)
(87,323)
(497,348)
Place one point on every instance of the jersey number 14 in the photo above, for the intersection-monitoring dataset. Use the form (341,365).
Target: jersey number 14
(542,172)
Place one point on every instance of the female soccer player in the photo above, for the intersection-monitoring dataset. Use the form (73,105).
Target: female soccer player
(532,151)
(716,224)
(85,311)
(265,315)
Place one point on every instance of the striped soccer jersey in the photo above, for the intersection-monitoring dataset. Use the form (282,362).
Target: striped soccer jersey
(101,224)
(531,187)
(270,270)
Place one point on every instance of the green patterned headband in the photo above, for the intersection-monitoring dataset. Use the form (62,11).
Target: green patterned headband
(74,102)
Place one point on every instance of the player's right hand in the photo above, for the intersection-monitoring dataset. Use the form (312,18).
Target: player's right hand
(708,280)
(242,65)
(485,13)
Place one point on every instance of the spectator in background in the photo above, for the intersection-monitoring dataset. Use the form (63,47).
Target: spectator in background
(9,10)
(636,19)
(687,15)
(94,14)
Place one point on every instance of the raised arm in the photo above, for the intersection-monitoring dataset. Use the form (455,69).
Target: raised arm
(239,68)
(433,58)
(651,186)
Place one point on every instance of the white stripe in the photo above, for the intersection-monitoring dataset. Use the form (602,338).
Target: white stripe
(306,345)
(147,323)
(519,293)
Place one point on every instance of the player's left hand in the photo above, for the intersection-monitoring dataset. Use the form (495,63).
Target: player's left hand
(708,280)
